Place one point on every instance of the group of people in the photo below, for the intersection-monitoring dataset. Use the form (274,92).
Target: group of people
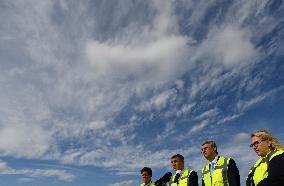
(223,171)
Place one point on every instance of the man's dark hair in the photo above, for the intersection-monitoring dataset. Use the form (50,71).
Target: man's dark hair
(212,143)
(178,156)
(146,169)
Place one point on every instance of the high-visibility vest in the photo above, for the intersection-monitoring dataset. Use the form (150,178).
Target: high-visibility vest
(143,184)
(260,169)
(219,175)
(183,179)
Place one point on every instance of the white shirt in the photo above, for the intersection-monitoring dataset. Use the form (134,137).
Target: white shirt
(178,171)
(212,164)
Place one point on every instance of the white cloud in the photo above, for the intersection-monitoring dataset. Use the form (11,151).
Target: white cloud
(60,174)
(185,109)
(127,173)
(4,167)
(159,60)
(169,130)
(228,118)
(95,125)
(244,9)
(112,157)
(241,137)
(194,130)
(243,105)
(230,45)
(158,101)
(165,22)
(207,114)
(24,140)
(198,127)
(123,183)
(180,84)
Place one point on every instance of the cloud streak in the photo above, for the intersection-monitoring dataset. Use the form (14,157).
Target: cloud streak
(36,173)
(123,183)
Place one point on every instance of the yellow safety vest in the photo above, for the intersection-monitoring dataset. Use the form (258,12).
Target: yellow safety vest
(219,176)
(260,169)
(183,179)
(143,184)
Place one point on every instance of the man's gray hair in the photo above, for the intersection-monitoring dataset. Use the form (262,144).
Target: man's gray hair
(210,142)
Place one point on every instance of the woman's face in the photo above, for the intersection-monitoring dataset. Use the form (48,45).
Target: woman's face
(260,147)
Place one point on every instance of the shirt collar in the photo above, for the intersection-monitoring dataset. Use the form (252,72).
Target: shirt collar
(215,160)
(178,171)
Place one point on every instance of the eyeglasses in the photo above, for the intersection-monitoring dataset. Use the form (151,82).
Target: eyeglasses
(204,149)
(256,143)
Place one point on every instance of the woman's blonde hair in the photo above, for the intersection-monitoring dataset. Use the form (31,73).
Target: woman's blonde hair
(265,135)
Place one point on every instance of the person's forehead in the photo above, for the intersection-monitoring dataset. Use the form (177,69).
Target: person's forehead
(176,159)
(207,145)
(255,138)
(145,173)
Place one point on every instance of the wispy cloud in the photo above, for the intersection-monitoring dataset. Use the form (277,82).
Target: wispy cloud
(60,174)
(230,45)
(123,183)
(169,130)
(207,114)
(198,127)
(158,102)
(243,105)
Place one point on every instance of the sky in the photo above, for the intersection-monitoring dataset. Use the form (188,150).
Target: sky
(94,90)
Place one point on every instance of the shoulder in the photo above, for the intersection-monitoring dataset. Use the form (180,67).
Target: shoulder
(190,172)
(223,158)
(231,160)
(193,173)
(278,158)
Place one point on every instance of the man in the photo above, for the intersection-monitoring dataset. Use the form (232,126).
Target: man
(146,174)
(182,176)
(221,171)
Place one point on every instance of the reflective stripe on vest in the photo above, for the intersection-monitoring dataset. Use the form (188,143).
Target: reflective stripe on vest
(260,169)
(183,179)
(219,176)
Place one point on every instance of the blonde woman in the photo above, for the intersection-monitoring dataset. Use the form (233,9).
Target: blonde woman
(269,169)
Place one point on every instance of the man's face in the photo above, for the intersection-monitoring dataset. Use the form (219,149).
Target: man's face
(177,163)
(146,177)
(208,151)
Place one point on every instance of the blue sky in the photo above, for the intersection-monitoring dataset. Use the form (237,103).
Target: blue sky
(92,91)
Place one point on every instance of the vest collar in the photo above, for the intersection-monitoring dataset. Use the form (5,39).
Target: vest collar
(148,184)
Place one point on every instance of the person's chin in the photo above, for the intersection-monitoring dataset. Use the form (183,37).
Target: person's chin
(258,153)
